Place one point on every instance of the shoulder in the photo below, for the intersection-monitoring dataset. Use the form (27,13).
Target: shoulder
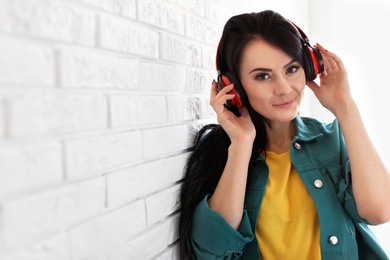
(312,126)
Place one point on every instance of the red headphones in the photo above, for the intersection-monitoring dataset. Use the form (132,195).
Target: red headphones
(315,62)
(314,65)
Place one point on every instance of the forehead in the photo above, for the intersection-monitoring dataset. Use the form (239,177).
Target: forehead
(259,53)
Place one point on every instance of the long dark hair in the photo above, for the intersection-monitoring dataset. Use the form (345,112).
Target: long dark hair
(207,161)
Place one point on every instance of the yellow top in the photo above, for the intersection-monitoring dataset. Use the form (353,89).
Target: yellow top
(288,225)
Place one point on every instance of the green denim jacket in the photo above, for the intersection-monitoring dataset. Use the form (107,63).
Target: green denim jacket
(319,154)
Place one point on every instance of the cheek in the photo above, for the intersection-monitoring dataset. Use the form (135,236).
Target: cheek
(259,100)
(300,85)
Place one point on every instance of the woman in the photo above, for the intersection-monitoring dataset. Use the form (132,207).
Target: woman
(266,183)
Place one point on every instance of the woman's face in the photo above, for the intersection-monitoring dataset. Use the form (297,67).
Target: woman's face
(273,81)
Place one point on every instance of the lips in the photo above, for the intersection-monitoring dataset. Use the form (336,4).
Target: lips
(286,104)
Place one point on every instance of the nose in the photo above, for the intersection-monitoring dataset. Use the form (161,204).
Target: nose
(282,86)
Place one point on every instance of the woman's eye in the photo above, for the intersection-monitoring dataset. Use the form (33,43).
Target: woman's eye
(293,69)
(262,76)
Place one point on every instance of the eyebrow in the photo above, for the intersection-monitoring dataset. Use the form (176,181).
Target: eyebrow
(269,70)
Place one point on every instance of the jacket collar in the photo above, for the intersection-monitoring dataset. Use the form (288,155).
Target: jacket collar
(304,132)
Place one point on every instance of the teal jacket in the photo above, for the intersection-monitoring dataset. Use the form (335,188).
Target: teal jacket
(318,152)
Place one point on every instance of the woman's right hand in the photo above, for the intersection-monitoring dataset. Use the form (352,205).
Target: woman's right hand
(239,129)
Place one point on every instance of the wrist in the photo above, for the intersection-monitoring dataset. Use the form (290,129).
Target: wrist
(345,110)
(243,148)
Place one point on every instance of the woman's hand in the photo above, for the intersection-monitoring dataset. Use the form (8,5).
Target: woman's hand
(333,92)
(239,129)
(229,195)
(370,177)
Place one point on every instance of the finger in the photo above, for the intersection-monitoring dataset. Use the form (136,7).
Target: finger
(334,62)
(226,89)
(219,99)
(214,90)
(329,64)
(337,61)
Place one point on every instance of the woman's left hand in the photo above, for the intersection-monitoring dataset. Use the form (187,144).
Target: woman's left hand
(333,92)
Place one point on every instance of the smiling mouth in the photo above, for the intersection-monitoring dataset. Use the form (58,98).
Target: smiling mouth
(285,105)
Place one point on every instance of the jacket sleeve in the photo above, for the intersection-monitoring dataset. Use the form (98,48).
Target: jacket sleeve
(214,238)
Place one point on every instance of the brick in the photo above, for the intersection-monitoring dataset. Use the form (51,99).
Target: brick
(150,244)
(126,8)
(95,154)
(44,113)
(180,50)
(171,253)
(136,182)
(99,235)
(56,20)
(121,35)
(162,204)
(162,15)
(219,15)
(208,57)
(90,69)
(208,111)
(52,248)
(26,166)
(202,30)
(36,216)
(182,108)
(160,141)
(198,81)
(136,110)
(157,77)
(26,63)
(194,6)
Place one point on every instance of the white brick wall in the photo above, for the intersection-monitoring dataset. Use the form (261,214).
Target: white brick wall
(99,100)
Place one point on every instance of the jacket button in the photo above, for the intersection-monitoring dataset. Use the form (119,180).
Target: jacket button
(297,146)
(333,240)
(318,184)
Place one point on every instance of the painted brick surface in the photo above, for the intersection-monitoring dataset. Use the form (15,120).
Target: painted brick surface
(99,102)
(136,182)
(119,34)
(101,234)
(158,13)
(162,77)
(53,20)
(82,68)
(45,113)
(95,154)
(134,110)
(25,167)
(55,247)
(30,64)
(47,212)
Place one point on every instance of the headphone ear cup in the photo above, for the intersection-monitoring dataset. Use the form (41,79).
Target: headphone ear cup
(308,64)
(318,61)
(225,80)
(314,63)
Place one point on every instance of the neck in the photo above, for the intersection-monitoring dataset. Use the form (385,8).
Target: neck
(280,136)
